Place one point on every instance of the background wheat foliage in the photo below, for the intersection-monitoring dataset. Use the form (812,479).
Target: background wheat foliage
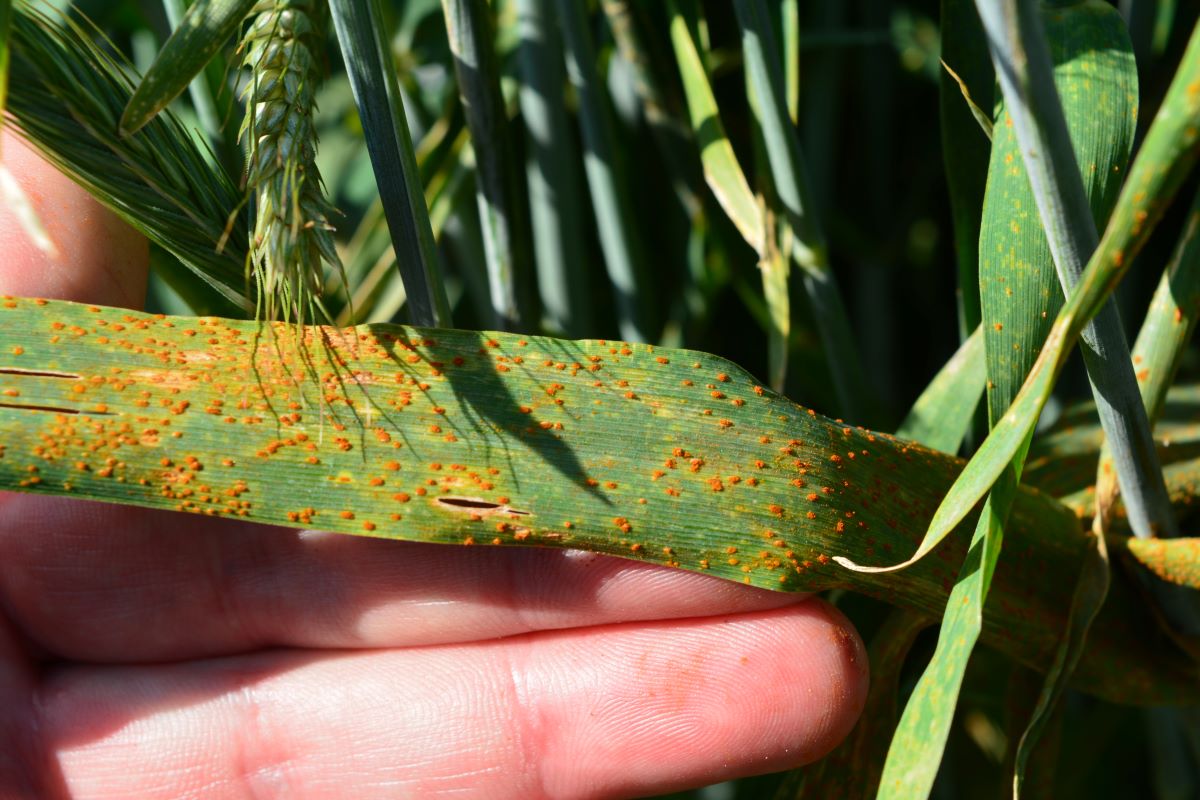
(798,187)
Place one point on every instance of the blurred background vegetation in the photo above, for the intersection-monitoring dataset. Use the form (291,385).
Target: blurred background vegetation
(866,86)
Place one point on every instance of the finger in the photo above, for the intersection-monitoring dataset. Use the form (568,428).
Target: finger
(97,258)
(621,711)
(103,583)
(18,681)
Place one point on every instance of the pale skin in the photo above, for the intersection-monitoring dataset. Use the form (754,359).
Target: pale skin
(147,654)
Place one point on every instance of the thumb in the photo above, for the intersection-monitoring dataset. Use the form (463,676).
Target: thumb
(97,257)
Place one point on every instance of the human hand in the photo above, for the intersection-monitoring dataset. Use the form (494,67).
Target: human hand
(150,654)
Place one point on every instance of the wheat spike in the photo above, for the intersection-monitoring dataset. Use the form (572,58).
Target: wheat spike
(291,239)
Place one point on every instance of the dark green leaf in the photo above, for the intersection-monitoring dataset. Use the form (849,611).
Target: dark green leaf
(369,63)
(205,28)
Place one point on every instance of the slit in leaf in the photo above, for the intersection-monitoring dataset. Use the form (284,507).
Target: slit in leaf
(476,505)
(56,409)
(38,373)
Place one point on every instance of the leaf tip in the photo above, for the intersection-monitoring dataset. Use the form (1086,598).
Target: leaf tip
(853,567)
(132,121)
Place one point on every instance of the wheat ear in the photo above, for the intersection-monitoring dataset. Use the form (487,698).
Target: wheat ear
(292,237)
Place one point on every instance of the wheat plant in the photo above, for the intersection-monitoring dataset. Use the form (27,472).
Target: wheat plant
(687,169)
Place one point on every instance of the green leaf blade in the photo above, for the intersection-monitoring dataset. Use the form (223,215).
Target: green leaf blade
(942,415)
(809,248)
(620,238)
(1094,73)
(1091,590)
(721,168)
(497,189)
(205,28)
(1171,319)
(662,103)
(1175,561)
(552,174)
(5,32)
(915,754)
(372,72)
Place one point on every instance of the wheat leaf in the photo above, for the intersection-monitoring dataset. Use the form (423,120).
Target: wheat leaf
(6,11)
(915,754)
(371,67)
(721,168)
(458,435)
(984,119)
(552,165)
(205,28)
(621,238)
(498,191)
(942,415)
(1173,560)
(791,184)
